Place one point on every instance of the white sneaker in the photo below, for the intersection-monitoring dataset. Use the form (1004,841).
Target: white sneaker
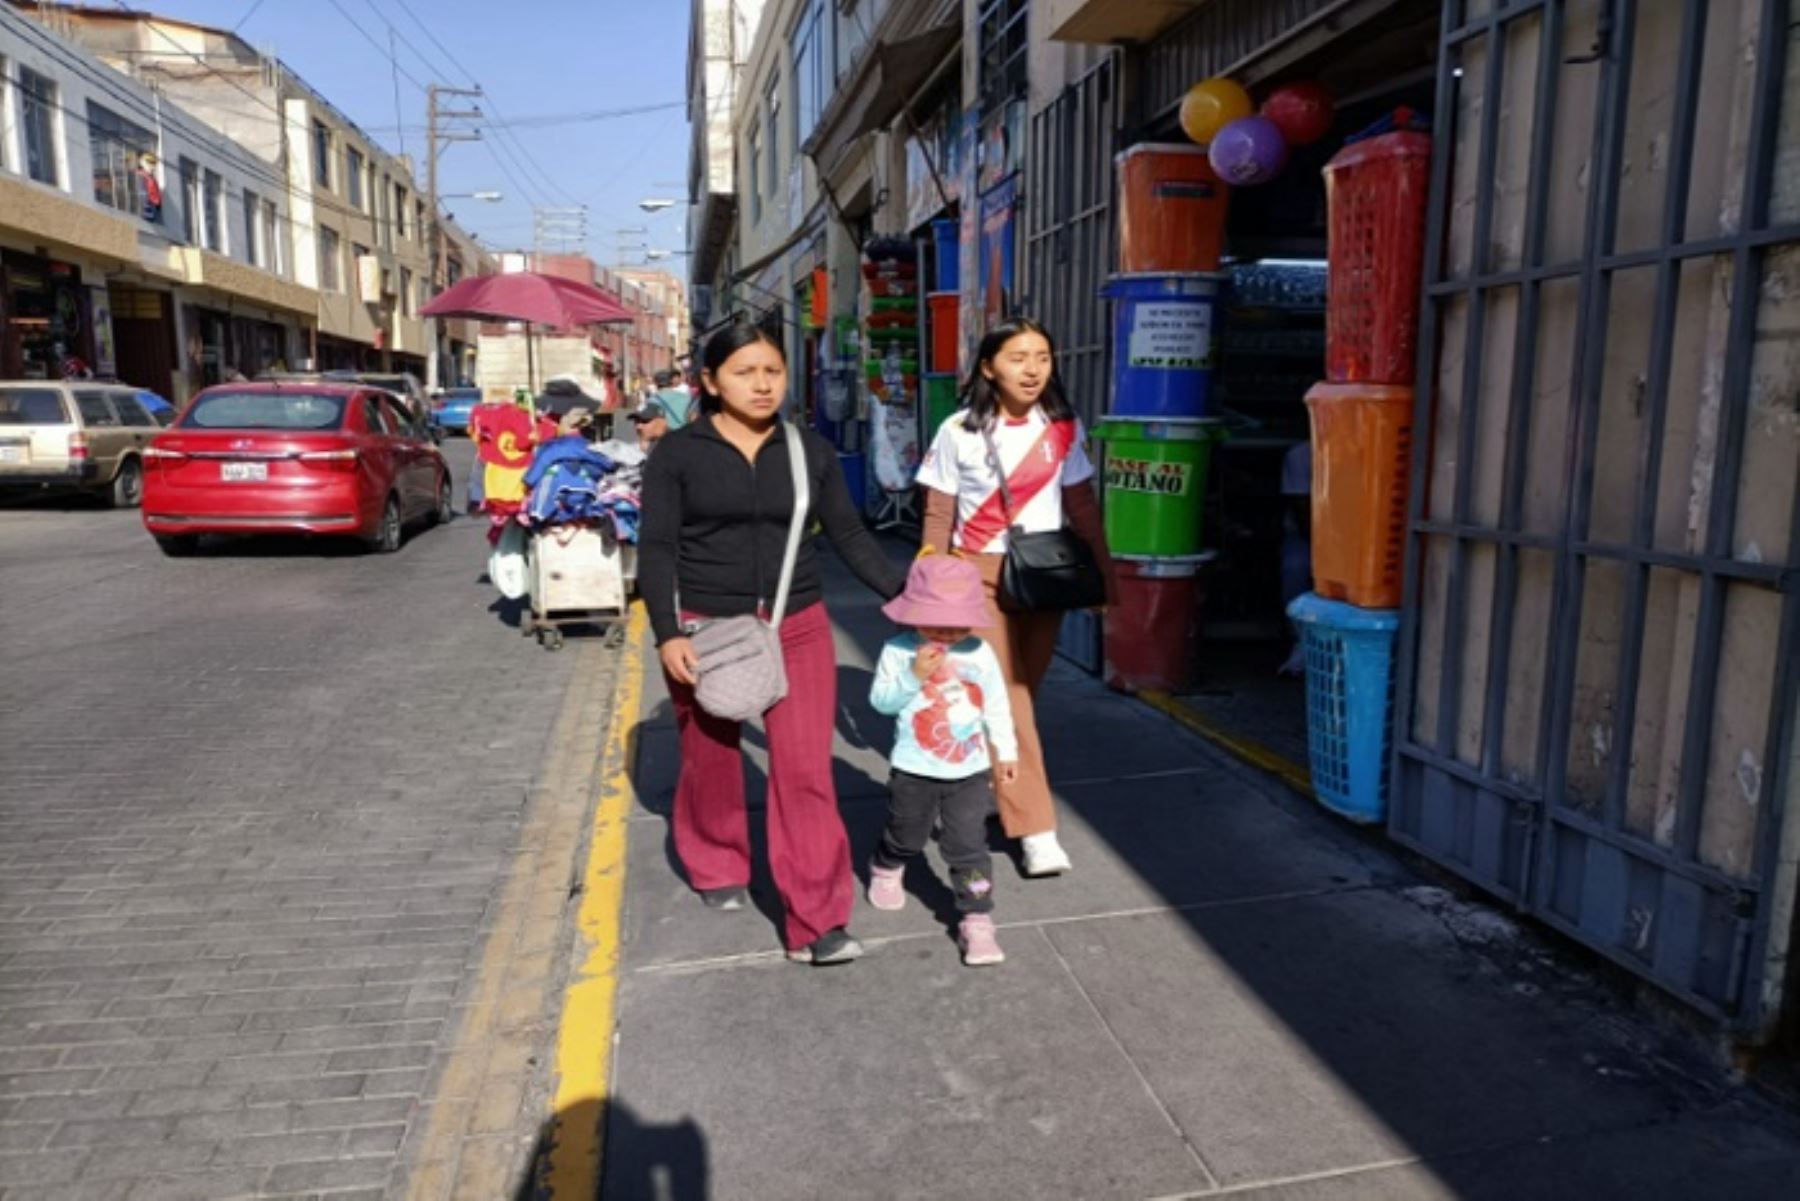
(1044,855)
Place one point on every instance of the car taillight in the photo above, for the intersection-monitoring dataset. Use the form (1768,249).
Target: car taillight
(341,459)
(78,447)
(163,453)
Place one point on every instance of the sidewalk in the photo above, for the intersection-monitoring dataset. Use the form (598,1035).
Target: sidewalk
(1232,994)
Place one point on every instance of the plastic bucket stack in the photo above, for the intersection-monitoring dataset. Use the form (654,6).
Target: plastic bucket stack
(1160,431)
(1362,429)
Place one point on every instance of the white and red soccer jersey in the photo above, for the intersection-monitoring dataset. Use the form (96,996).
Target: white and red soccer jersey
(1040,458)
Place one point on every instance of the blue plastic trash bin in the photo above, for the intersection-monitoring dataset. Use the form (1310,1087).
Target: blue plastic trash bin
(1349,702)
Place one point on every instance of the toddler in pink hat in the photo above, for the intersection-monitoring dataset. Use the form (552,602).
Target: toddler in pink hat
(954,733)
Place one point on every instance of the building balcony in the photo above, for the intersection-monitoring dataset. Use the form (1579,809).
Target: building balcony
(1114,21)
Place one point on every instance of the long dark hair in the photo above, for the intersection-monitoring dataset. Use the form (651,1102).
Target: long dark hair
(982,397)
(727,342)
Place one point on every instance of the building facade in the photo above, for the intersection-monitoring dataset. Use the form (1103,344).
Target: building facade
(1603,513)
(134,237)
(358,226)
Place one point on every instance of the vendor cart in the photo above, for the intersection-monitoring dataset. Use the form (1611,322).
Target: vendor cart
(578,575)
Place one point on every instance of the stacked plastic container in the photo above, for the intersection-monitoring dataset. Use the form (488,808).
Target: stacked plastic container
(943,326)
(1160,431)
(1362,426)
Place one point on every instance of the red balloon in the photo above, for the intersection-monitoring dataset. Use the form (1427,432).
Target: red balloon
(1302,111)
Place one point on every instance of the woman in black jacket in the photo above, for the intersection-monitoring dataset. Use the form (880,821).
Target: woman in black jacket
(717,496)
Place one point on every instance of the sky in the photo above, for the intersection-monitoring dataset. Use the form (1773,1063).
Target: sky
(533,58)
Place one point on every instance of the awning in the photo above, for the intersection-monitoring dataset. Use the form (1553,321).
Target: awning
(883,82)
(905,65)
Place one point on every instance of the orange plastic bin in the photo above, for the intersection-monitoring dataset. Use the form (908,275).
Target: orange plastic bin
(1362,446)
(1171,210)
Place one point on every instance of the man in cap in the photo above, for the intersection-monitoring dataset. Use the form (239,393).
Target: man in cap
(652,422)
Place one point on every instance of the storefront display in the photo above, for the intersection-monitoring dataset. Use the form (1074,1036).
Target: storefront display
(48,334)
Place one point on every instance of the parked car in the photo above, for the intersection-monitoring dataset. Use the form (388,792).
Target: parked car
(403,384)
(75,434)
(293,458)
(450,410)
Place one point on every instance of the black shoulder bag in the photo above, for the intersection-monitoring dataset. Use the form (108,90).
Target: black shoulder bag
(1053,571)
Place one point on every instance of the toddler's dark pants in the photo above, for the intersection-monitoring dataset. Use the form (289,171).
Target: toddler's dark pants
(915,803)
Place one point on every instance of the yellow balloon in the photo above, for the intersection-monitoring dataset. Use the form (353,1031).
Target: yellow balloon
(1211,105)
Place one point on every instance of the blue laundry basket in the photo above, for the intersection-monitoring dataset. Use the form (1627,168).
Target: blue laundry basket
(1349,702)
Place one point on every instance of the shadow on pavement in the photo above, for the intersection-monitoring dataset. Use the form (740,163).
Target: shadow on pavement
(639,1161)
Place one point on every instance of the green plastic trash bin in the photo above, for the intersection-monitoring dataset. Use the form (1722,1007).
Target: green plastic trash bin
(1155,479)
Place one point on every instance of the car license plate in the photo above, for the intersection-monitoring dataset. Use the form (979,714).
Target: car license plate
(12,454)
(243,472)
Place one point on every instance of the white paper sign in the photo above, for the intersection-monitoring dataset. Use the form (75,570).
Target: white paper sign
(1171,337)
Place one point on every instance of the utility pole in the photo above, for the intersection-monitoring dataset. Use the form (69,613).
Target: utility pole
(560,230)
(436,138)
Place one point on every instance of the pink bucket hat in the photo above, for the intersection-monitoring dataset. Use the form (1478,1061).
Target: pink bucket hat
(941,591)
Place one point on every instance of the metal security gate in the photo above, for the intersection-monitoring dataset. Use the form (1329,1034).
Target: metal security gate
(1598,662)
(1068,255)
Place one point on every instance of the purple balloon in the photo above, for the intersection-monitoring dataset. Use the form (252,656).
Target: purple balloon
(1248,151)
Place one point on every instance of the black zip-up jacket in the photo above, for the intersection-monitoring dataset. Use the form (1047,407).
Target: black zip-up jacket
(717,524)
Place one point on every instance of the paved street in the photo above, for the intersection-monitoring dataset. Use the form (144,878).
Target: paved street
(284,868)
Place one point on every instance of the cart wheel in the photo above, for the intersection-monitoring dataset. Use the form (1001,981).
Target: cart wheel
(551,639)
(615,637)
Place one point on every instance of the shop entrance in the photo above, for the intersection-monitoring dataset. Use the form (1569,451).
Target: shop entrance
(1597,674)
(144,334)
(44,318)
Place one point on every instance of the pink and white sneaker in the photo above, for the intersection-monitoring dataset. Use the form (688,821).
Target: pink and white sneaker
(885,890)
(980,947)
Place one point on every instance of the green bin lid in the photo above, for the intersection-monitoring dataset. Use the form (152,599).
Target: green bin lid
(1182,429)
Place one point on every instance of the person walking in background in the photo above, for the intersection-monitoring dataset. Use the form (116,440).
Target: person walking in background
(717,501)
(1014,402)
(676,401)
(945,687)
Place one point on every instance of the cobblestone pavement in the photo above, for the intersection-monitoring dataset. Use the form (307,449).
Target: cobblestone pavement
(262,811)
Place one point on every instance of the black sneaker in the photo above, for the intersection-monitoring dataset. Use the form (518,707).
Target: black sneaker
(831,948)
(725,898)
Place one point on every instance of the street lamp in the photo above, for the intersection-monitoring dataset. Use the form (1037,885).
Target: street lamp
(490,197)
(655,204)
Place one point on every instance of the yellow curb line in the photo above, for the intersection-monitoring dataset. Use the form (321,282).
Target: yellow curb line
(585,1037)
(1294,775)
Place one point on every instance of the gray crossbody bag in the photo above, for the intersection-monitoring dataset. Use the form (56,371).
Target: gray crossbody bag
(742,670)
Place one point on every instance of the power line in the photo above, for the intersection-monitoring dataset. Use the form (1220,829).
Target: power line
(245,19)
(373,41)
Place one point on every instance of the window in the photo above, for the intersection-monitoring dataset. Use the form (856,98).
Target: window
(135,414)
(265,411)
(756,158)
(357,255)
(37,108)
(120,151)
(1004,51)
(398,419)
(95,412)
(400,210)
(386,196)
(772,101)
(190,202)
(812,85)
(256,247)
(353,177)
(35,406)
(274,247)
(212,205)
(321,154)
(374,420)
(419,219)
(330,268)
(406,291)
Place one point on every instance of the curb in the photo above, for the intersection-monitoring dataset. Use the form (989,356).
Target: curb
(1295,775)
(584,1040)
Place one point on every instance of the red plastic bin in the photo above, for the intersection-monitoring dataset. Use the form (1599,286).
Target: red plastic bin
(946,333)
(1376,192)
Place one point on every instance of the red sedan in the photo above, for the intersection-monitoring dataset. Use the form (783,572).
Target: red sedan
(293,458)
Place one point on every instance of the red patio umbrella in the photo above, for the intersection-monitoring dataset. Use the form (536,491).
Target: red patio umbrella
(530,297)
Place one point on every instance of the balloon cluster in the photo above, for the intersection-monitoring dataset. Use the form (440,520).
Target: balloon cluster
(1247,146)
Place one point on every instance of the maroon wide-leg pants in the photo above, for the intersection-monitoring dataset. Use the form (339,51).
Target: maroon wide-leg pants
(809,852)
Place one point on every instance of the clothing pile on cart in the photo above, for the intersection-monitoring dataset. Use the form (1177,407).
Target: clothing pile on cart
(574,482)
